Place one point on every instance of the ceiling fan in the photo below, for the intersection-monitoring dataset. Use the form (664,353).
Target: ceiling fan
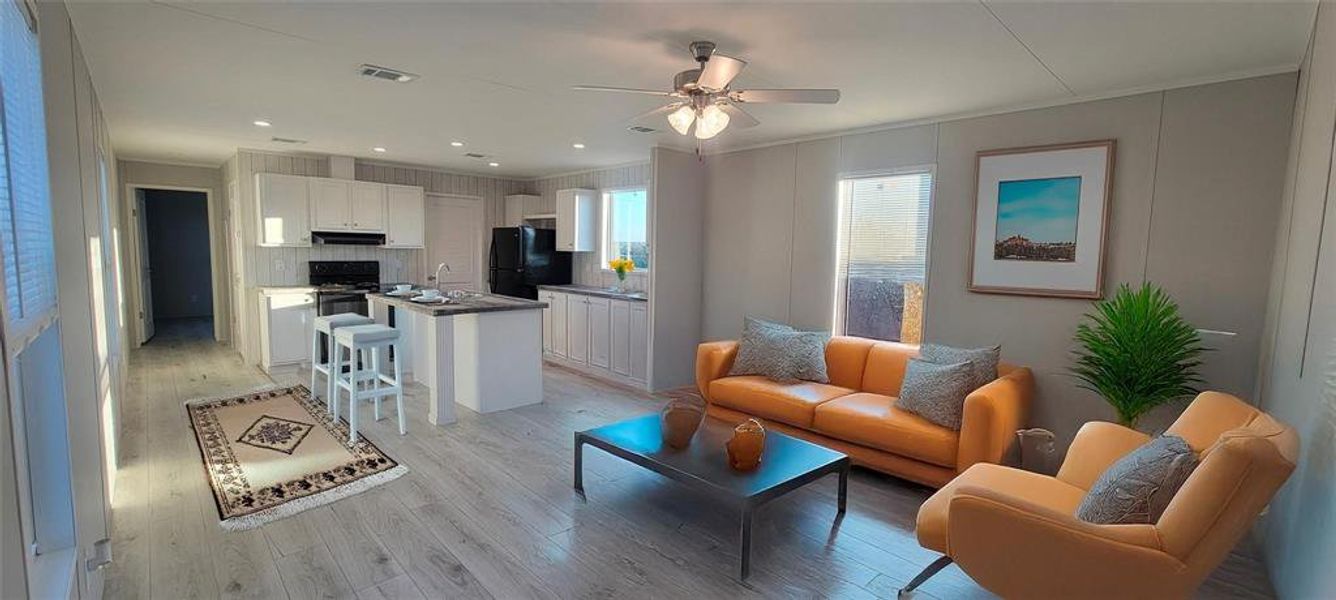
(703,96)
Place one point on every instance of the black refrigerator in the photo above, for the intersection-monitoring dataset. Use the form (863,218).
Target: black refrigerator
(523,258)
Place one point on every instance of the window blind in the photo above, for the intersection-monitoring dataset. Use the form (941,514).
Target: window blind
(25,201)
(883,246)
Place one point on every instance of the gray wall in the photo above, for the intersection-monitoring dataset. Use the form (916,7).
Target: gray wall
(677,217)
(178,246)
(1197,189)
(1298,381)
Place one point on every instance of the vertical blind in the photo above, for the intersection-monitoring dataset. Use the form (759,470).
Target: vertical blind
(25,201)
(883,245)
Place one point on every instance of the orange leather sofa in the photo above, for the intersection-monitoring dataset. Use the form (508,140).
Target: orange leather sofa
(1017,535)
(855,413)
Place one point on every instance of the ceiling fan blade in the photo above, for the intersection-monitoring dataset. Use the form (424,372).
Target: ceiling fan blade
(657,112)
(604,88)
(719,72)
(738,117)
(805,96)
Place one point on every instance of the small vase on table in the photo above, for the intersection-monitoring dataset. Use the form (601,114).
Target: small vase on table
(621,266)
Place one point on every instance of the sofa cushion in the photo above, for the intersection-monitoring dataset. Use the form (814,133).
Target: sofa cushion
(1031,487)
(787,402)
(1138,487)
(873,420)
(846,357)
(885,370)
(781,352)
(937,392)
(983,361)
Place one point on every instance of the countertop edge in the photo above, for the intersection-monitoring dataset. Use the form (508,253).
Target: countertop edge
(596,292)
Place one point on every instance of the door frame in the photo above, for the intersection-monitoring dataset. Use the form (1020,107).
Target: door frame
(133,280)
(480,280)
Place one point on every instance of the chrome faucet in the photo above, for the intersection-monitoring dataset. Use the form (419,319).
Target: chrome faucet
(437,277)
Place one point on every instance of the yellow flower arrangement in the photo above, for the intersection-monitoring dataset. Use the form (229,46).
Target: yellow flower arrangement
(622,266)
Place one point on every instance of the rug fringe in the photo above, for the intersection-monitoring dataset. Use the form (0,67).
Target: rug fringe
(269,387)
(289,509)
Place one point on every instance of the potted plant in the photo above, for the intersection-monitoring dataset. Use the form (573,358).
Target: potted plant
(1137,352)
(622,266)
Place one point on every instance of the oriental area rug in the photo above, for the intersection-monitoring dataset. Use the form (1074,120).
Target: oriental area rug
(272,453)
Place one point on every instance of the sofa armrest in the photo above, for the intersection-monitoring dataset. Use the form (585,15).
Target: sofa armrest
(1097,446)
(992,415)
(713,361)
(1017,548)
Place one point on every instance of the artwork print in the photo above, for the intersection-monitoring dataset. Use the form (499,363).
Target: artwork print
(1037,219)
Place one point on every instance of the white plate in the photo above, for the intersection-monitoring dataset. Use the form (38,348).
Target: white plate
(399,293)
(423,300)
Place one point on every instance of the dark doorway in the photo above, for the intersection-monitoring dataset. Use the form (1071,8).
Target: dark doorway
(176,230)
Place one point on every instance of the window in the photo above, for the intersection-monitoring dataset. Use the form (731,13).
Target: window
(883,255)
(626,226)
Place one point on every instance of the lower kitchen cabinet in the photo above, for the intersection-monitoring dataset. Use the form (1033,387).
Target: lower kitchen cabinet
(603,337)
(286,321)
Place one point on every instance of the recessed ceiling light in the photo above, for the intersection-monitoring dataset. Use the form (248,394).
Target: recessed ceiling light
(456,144)
(578,146)
(493,164)
(263,124)
(377,149)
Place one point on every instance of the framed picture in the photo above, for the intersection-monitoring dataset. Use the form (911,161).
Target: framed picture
(1040,219)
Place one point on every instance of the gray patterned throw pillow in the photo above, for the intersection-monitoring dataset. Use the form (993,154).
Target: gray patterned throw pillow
(780,352)
(1138,487)
(936,392)
(983,361)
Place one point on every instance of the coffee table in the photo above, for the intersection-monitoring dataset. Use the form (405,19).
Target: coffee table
(787,463)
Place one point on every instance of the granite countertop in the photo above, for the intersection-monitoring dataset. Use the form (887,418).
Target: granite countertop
(285,289)
(601,292)
(480,304)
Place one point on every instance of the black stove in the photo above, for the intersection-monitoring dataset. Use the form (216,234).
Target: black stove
(341,285)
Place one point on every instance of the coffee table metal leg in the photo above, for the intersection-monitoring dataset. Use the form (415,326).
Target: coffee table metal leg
(844,488)
(744,549)
(579,465)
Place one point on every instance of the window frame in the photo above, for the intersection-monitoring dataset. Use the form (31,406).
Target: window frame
(605,216)
(841,279)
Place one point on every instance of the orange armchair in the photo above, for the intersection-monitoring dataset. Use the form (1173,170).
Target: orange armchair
(1017,535)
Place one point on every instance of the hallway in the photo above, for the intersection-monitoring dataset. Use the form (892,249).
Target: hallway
(487,511)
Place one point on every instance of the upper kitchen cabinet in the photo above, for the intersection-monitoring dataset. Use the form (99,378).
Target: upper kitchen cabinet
(518,206)
(404,217)
(341,205)
(368,206)
(283,207)
(577,217)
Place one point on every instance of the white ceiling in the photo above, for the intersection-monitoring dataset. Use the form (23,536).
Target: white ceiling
(182,82)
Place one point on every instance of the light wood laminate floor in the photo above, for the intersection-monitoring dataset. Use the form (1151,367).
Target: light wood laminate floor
(488,512)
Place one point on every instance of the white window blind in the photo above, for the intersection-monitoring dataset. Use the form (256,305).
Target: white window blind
(25,201)
(883,246)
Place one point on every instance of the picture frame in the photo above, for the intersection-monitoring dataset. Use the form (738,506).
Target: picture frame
(1041,219)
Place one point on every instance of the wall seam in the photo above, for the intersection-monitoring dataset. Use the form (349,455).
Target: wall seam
(1154,181)
(1317,256)
(793,233)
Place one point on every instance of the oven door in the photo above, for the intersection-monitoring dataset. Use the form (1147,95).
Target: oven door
(333,303)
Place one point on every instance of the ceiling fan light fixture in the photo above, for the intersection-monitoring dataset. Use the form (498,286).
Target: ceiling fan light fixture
(712,121)
(681,118)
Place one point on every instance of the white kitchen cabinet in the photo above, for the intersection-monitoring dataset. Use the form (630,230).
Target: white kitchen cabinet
(518,207)
(286,319)
(560,331)
(283,210)
(331,206)
(577,220)
(600,348)
(577,328)
(546,296)
(639,346)
(367,208)
(405,217)
(620,333)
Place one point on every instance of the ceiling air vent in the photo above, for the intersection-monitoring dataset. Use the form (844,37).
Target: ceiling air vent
(642,129)
(386,73)
(282,140)
(475,155)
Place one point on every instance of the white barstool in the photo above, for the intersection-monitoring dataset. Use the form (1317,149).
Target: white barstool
(324,325)
(359,341)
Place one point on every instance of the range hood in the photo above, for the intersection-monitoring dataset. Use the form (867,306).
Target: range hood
(346,238)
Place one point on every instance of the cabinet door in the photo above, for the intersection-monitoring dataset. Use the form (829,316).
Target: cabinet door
(559,328)
(405,217)
(283,209)
(639,344)
(290,321)
(547,320)
(330,204)
(515,210)
(621,337)
(576,220)
(368,206)
(600,351)
(577,328)
(566,218)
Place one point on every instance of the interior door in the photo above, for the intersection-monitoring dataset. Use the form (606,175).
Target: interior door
(145,271)
(454,237)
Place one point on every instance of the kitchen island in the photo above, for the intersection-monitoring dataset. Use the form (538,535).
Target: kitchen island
(484,352)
